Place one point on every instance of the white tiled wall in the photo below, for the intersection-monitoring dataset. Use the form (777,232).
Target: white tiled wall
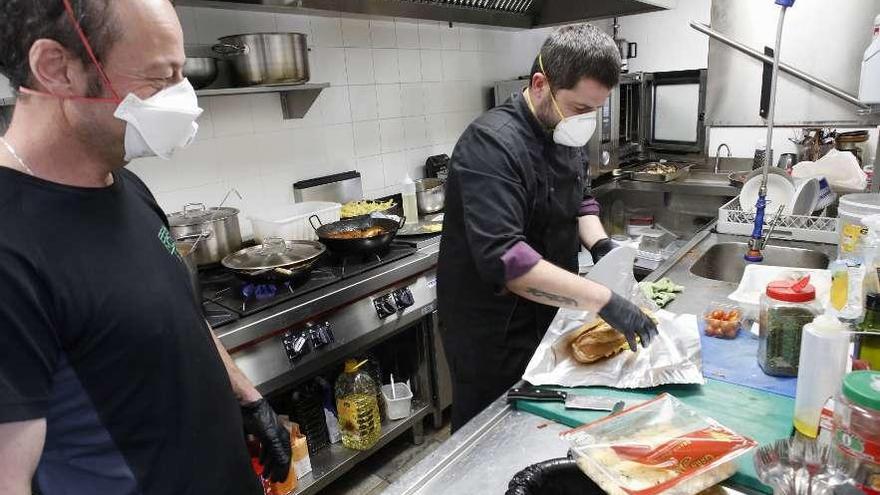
(401,90)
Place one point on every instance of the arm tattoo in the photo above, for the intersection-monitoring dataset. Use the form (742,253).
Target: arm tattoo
(554,298)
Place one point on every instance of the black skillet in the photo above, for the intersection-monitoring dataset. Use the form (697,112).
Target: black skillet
(361,245)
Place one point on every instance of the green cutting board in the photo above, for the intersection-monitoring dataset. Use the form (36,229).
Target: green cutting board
(762,416)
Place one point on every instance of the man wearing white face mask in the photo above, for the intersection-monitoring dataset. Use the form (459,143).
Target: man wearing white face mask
(516,215)
(110,380)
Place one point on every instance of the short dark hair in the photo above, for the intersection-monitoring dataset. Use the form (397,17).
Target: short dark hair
(574,52)
(22,22)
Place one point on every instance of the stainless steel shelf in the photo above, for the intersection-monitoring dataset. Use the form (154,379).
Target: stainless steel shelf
(278,88)
(332,462)
(296,99)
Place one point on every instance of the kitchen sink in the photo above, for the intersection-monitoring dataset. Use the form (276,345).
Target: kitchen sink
(724,261)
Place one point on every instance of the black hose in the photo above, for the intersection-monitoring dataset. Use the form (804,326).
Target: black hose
(553,477)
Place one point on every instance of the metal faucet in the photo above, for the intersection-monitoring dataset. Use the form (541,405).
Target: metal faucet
(718,156)
(757,240)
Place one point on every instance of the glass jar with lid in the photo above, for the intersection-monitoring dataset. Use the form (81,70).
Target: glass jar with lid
(857,426)
(786,306)
(856,142)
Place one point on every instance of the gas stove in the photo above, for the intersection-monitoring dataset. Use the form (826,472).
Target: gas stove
(227,298)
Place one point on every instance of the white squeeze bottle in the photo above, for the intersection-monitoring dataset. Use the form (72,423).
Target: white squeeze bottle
(410,206)
(823,364)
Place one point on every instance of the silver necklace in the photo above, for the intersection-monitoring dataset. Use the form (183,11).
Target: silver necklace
(15,155)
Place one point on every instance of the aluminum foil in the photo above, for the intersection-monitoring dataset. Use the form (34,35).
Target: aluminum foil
(673,356)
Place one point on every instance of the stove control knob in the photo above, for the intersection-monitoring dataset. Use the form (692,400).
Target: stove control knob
(385,306)
(295,345)
(404,298)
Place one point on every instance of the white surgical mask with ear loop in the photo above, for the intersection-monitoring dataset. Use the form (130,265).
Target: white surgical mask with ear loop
(161,124)
(574,131)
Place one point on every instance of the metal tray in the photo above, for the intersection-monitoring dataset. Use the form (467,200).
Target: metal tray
(682,170)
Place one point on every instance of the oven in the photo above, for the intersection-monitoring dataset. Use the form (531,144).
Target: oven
(619,126)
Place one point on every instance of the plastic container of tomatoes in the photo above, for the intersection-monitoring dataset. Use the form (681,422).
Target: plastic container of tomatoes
(722,320)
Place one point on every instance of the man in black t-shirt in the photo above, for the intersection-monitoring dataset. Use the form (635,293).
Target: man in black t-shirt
(111,382)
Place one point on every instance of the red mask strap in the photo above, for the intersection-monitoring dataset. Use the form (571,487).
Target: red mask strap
(28,91)
(85,41)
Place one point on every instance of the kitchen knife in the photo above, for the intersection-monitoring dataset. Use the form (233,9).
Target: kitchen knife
(572,401)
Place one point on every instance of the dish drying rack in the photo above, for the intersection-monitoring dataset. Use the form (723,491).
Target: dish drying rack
(733,220)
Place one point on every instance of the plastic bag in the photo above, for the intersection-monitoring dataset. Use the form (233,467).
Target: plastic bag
(660,446)
(840,168)
(672,357)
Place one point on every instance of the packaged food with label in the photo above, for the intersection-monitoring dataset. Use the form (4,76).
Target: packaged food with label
(659,446)
(857,426)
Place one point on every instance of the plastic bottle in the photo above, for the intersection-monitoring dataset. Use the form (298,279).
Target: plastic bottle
(822,366)
(410,205)
(869,345)
(357,407)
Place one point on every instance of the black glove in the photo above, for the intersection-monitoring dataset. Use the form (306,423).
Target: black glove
(601,248)
(627,318)
(260,421)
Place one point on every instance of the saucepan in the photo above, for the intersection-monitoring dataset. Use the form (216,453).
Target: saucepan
(216,229)
(276,260)
(266,58)
(430,195)
(358,235)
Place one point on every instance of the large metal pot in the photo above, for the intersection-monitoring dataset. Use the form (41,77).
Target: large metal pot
(266,58)
(186,251)
(217,229)
(430,195)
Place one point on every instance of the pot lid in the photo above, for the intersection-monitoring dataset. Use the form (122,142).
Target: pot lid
(274,253)
(197,213)
(863,388)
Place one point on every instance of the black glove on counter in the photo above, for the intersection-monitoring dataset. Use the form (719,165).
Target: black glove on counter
(260,421)
(601,248)
(627,318)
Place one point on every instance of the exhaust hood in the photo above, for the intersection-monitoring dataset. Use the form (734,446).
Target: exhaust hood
(505,13)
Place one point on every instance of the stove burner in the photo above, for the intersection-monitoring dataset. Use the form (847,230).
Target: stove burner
(261,292)
(246,297)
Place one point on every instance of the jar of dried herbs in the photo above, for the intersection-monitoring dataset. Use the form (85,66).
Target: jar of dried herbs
(786,306)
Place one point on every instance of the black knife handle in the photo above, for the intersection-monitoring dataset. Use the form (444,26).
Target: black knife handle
(535,394)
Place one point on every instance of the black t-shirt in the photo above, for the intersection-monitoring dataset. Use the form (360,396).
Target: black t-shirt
(100,335)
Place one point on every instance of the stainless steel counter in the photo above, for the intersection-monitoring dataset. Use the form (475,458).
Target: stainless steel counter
(698,182)
(483,456)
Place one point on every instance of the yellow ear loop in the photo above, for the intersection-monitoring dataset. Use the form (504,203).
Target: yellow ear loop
(552,98)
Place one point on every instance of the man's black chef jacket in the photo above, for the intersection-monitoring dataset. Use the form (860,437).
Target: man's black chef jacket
(513,197)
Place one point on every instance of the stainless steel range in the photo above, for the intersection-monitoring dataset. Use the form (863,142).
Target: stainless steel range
(283,336)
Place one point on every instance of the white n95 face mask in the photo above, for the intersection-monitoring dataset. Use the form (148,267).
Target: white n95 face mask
(161,124)
(575,131)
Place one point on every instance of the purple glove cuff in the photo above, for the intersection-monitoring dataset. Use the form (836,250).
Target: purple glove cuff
(518,260)
(589,206)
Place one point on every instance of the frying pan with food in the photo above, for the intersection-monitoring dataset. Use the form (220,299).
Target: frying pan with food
(358,235)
